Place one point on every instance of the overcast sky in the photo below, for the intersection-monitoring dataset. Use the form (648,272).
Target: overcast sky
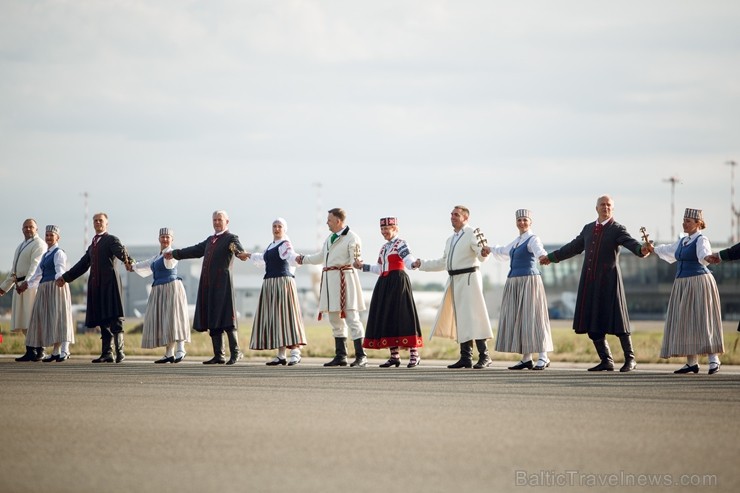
(163,111)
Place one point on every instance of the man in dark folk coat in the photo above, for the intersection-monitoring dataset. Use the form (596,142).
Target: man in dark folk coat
(215,306)
(104,299)
(601,307)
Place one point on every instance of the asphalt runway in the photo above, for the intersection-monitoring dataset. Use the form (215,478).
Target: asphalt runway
(141,427)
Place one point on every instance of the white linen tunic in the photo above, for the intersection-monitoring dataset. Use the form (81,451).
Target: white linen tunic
(26,259)
(463,315)
(341,253)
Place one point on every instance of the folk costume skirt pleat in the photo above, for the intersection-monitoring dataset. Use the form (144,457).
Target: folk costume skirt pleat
(524,325)
(693,323)
(166,319)
(392,319)
(278,321)
(51,316)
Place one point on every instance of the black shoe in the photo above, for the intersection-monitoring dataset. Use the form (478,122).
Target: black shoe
(62,357)
(235,357)
(603,366)
(541,364)
(120,356)
(277,361)
(391,362)
(40,354)
(483,362)
(50,358)
(337,361)
(714,369)
(177,359)
(216,360)
(522,365)
(104,358)
(294,359)
(687,369)
(628,365)
(166,359)
(29,356)
(359,362)
(413,363)
(461,363)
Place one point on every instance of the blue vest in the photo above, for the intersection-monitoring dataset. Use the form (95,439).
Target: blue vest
(522,261)
(48,271)
(688,264)
(274,265)
(163,275)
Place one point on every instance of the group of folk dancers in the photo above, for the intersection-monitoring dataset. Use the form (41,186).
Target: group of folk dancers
(41,298)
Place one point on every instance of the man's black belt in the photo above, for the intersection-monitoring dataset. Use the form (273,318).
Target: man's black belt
(20,279)
(462,271)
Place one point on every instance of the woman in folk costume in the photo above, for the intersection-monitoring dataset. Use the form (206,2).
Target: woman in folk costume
(51,316)
(693,323)
(166,322)
(392,321)
(278,323)
(524,325)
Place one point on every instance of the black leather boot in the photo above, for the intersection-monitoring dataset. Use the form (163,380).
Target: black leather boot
(340,351)
(219,358)
(360,356)
(466,356)
(118,339)
(484,360)
(235,353)
(29,356)
(106,351)
(38,353)
(602,349)
(629,355)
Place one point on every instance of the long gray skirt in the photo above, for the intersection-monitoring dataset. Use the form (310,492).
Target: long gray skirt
(693,323)
(524,325)
(51,316)
(166,318)
(278,321)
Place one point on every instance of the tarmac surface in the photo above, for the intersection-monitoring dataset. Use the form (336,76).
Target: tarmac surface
(140,427)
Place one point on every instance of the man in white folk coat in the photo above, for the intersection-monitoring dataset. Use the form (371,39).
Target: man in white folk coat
(463,315)
(27,257)
(341,293)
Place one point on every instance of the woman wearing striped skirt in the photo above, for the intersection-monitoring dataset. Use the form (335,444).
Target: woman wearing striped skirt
(166,322)
(51,317)
(693,324)
(524,325)
(278,322)
(392,321)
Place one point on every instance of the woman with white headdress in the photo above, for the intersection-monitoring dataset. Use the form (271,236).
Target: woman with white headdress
(166,322)
(51,317)
(278,322)
(524,325)
(693,323)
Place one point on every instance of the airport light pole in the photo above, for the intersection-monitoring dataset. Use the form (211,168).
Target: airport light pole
(673,180)
(734,215)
